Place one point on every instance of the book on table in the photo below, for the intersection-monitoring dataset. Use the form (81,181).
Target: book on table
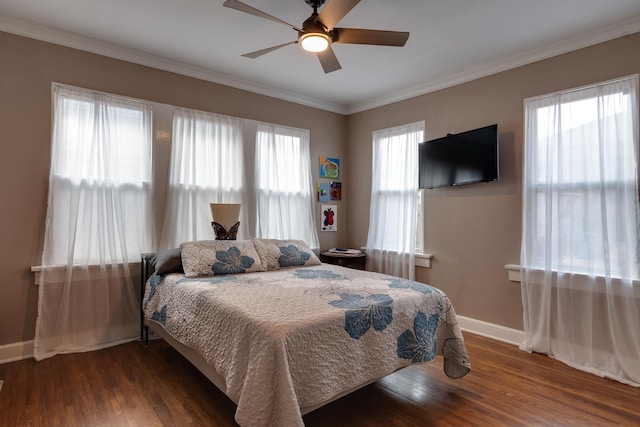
(344,251)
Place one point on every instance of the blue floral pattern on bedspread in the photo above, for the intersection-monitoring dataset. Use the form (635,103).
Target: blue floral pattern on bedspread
(419,345)
(211,280)
(160,316)
(154,281)
(316,274)
(231,262)
(410,284)
(364,312)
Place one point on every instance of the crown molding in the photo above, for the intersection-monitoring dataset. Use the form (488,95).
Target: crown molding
(600,35)
(75,41)
(87,44)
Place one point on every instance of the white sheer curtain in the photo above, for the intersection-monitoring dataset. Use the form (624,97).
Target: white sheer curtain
(206,167)
(580,284)
(284,186)
(98,221)
(391,242)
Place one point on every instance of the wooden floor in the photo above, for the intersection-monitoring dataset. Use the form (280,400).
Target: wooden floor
(129,385)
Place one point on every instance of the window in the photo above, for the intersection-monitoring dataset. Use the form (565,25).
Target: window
(284,188)
(581,180)
(393,226)
(100,181)
(206,167)
(97,221)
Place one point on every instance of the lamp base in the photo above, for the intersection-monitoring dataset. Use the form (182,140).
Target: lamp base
(222,233)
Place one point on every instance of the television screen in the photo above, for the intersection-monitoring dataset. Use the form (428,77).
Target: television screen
(461,158)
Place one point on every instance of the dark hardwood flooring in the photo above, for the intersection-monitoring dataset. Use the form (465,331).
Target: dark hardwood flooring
(129,385)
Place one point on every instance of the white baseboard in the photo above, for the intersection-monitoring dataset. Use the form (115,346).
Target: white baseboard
(16,351)
(24,350)
(490,330)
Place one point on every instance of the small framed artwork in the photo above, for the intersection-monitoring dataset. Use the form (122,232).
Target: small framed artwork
(323,192)
(329,167)
(336,190)
(329,218)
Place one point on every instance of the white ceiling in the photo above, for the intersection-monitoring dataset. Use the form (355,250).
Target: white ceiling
(451,41)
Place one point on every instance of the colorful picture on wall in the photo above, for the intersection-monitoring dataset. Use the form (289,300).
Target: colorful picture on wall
(329,167)
(329,218)
(323,192)
(336,190)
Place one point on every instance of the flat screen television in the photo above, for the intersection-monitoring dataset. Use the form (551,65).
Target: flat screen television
(461,158)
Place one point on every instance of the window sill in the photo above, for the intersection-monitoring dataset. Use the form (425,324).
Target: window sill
(57,273)
(580,282)
(422,260)
(513,272)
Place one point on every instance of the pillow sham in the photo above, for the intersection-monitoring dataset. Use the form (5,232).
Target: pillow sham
(276,254)
(167,261)
(211,257)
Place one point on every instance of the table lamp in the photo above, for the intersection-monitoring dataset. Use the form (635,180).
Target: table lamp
(225,220)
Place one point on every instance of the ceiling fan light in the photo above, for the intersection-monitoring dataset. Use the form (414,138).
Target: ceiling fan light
(314,42)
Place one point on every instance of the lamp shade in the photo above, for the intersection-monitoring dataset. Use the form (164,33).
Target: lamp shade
(225,214)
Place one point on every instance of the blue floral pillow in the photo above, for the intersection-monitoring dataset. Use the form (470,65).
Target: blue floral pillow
(276,254)
(211,257)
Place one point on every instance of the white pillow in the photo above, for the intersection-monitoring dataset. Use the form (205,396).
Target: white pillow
(211,257)
(276,254)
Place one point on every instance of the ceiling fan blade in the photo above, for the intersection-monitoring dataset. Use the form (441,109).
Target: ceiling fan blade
(329,61)
(261,52)
(242,7)
(374,37)
(334,11)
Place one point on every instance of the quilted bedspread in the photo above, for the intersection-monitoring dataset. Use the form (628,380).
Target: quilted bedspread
(296,337)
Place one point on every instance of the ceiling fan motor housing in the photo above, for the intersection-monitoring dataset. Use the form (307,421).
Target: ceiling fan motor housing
(312,25)
(314,3)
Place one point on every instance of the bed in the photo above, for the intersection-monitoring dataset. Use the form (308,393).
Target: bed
(282,334)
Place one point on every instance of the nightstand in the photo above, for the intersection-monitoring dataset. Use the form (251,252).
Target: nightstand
(357,262)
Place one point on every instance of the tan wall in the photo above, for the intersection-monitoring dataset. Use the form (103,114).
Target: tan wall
(473,231)
(27,69)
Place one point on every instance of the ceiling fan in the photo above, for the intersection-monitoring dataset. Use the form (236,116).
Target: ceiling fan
(318,32)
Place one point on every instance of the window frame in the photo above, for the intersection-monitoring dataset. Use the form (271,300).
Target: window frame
(535,185)
(419,194)
(77,171)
